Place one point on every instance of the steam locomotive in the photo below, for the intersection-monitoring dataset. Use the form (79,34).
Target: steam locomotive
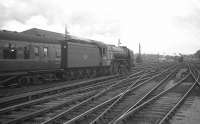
(26,59)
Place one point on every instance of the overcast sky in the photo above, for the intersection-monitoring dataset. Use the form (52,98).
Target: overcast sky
(161,26)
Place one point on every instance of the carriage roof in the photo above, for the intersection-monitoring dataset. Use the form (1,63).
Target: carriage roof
(17,36)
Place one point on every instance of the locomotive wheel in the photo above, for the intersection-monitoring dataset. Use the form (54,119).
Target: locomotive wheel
(81,74)
(58,75)
(116,68)
(52,77)
(87,73)
(65,76)
(23,81)
(77,74)
(110,69)
(99,72)
(94,73)
(90,74)
(72,75)
(120,70)
(107,71)
(102,72)
(37,79)
(123,69)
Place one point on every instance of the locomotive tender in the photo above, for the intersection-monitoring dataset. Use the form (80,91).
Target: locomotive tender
(26,59)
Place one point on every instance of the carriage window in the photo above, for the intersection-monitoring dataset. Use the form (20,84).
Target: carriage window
(26,53)
(36,51)
(45,49)
(10,52)
(57,53)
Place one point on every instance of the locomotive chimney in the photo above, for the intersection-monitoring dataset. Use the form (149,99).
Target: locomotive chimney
(139,49)
(67,37)
(139,57)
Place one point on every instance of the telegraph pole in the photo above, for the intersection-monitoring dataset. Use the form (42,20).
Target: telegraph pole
(139,57)
(65,48)
(139,49)
(119,42)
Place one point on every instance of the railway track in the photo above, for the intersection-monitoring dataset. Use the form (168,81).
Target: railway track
(81,86)
(7,92)
(103,114)
(111,94)
(52,113)
(25,97)
(33,108)
(43,106)
(179,113)
(187,112)
(195,72)
(130,98)
(29,93)
(158,108)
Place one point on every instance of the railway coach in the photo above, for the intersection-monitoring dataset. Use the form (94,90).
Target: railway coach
(26,59)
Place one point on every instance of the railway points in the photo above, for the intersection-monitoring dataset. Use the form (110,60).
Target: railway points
(158,108)
(120,86)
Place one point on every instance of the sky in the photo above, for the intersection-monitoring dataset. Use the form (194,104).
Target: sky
(160,26)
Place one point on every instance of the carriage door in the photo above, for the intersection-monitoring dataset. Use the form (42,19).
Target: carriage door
(64,55)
